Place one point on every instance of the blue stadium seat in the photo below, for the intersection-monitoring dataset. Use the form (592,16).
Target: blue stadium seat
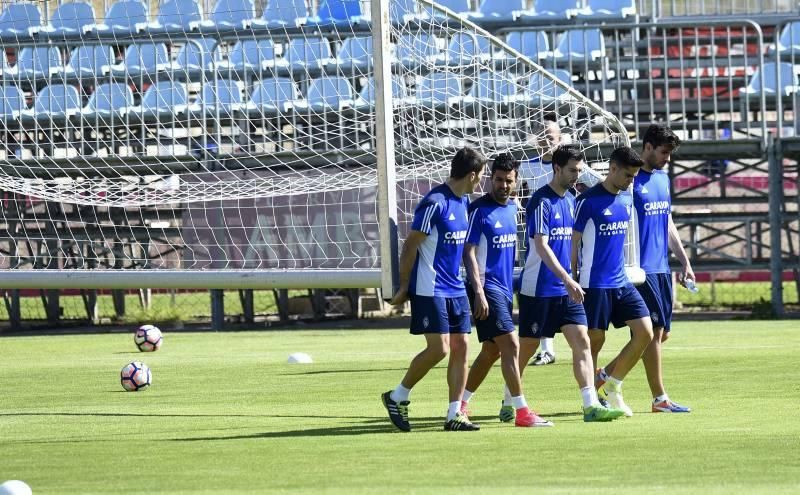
(543,90)
(533,44)
(143,58)
(492,87)
(306,54)
(329,94)
(366,97)
(466,48)
(229,15)
(273,96)
(580,45)
(280,13)
(38,62)
(108,100)
(504,11)
(339,12)
(767,78)
(57,101)
(413,50)
(545,10)
(460,7)
(124,16)
(439,89)
(177,16)
(90,61)
(251,55)
(72,17)
(355,55)
(789,40)
(402,11)
(608,10)
(12,102)
(193,55)
(219,97)
(20,18)
(163,100)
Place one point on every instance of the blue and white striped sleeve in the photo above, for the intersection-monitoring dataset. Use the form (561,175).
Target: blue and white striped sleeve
(425,216)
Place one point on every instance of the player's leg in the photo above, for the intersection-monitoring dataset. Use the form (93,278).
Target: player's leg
(597,306)
(509,362)
(458,313)
(488,355)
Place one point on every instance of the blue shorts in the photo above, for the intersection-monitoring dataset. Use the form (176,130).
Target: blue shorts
(499,321)
(604,306)
(542,317)
(440,315)
(657,294)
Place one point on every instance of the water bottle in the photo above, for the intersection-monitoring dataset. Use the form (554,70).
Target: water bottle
(691,286)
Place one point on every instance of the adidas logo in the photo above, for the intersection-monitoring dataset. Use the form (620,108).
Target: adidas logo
(557,216)
(451,217)
(498,225)
(644,190)
(607,212)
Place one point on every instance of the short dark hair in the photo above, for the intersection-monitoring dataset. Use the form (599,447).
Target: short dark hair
(505,162)
(566,152)
(625,156)
(466,160)
(659,134)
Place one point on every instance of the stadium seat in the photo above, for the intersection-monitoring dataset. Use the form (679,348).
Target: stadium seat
(413,50)
(460,7)
(366,97)
(308,54)
(38,62)
(12,102)
(339,12)
(543,90)
(273,96)
(163,101)
(767,78)
(72,17)
(229,15)
(193,55)
(124,16)
(56,101)
(5,68)
(20,18)
(143,58)
(402,11)
(607,10)
(501,11)
(89,61)
(439,89)
(580,45)
(533,44)
(789,40)
(492,87)
(545,10)
(176,16)
(327,94)
(251,55)
(278,13)
(466,48)
(218,98)
(355,55)
(108,100)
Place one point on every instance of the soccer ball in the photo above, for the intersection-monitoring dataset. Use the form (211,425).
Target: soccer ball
(148,338)
(135,376)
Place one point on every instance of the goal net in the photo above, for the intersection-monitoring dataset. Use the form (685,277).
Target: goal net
(234,137)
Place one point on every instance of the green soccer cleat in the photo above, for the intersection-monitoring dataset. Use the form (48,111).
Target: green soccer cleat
(593,414)
(507,413)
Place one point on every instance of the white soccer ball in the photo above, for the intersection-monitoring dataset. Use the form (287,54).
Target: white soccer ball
(299,358)
(15,487)
(135,376)
(148,338)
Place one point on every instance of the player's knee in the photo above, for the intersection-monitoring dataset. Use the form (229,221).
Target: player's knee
(458,345)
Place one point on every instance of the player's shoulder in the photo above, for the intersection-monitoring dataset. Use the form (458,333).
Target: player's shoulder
(593,192)
(478,203)
(438,195)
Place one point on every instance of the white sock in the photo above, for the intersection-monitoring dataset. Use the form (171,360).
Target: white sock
(615,383)
(506,396)
(546,345)
(519,402)
(467,395)
(453,409)
(589,396)
(400,394)
(661,398)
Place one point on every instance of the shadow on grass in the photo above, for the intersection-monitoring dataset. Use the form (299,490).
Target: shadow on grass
(352,430)
(135,415)
(326,372)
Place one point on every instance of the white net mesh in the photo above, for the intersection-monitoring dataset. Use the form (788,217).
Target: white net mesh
(232,135)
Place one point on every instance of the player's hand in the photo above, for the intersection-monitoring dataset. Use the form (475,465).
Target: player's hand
(400,297)
(574,290)
(481,311)
(664,336)
(687,273)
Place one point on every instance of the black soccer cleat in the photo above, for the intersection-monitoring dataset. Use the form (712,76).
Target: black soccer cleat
(543,358)
(398,411)
(461,423)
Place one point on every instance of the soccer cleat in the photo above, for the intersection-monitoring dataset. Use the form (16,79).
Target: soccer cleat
(543,358)
(531,420)
(668,406)
(460,423)
(465,408)
(398,411)
(593,414)
(614,400)
(507,413)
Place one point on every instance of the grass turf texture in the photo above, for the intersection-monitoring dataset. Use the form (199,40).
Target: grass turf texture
(227,415)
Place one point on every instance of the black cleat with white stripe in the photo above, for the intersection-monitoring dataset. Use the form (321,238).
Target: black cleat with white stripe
(461,423)
(398,411)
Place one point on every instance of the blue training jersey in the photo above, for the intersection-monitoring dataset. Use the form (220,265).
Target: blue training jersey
(652,207)
(493,229)
(552,216)
(603,218)
(443,216)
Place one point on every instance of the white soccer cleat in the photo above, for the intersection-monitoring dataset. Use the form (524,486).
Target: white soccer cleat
(615,401)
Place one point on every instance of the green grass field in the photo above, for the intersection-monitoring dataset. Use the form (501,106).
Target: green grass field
(227,415)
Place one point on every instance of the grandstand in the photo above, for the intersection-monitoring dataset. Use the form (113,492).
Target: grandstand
(117,115)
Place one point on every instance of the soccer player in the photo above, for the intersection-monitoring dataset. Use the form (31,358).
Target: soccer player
(602,217)
(430,277)
(549,299)
(489,259)
(657,236)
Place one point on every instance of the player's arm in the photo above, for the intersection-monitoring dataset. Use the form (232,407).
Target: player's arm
(481,305)
(407,257)
(576,248)
(582,215)
(676,246)
(549,259)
